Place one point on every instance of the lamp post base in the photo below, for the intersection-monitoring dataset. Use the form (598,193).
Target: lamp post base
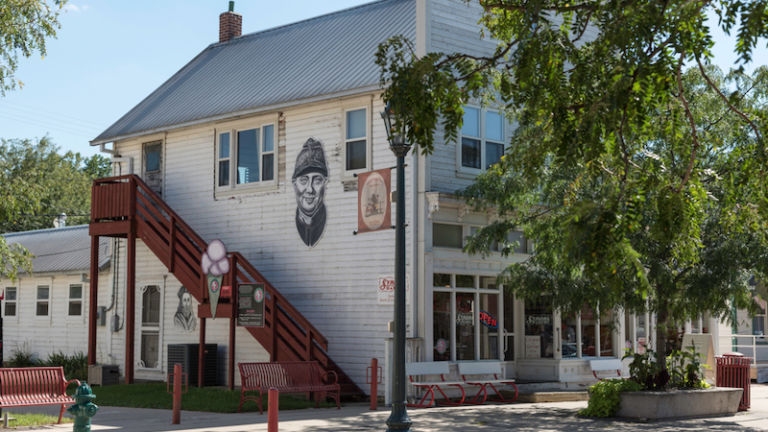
(398,420)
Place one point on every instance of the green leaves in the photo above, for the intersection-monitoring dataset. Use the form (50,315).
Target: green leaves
(24,26)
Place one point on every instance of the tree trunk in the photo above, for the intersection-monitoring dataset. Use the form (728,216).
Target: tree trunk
(661,336)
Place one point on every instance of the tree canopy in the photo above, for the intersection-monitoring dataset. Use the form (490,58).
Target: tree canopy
(40,184)
(24,26)
(636,167)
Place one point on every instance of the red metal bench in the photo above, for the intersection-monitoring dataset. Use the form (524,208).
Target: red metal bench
(35,386)
(287,377)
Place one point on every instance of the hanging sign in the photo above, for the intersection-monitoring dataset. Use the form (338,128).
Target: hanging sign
(373,208)
(214,264)
(250,305)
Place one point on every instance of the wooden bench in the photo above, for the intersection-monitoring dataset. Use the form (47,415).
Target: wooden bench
(35,386)
(605,365)
(430,376)
(287,377)
(485,375)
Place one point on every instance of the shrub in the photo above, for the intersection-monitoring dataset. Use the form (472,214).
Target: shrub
(604,397)
(20,357)
(75,366)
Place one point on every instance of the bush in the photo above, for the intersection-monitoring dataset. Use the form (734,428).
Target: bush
(75,365)
(604,397)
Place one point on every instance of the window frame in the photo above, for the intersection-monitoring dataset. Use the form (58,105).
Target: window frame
(39,301)
(367,138)
(476,291)
(13,302)
(151,328)
(482,138)
(71,300)
(233,158)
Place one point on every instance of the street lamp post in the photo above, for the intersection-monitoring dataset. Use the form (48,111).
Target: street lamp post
(398,420)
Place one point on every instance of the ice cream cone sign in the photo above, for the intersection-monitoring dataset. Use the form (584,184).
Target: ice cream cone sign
(215,264)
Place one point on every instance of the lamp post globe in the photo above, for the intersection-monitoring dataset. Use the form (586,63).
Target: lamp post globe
(398,419)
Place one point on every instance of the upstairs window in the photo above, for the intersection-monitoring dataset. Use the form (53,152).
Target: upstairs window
(482,138)
(10,301)
(251,152)
(356,140)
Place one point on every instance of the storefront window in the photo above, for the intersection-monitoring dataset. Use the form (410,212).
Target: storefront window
(538,329)
(489,327)
(465,328)
(606,333)
(509,326)
(466,318)
(441,326)
(570,346)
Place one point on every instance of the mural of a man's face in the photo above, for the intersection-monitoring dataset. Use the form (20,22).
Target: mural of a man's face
(186,303)
(310,191)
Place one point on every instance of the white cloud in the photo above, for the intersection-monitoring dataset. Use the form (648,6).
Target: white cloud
(71,7)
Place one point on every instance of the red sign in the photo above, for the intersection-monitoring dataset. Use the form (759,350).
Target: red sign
(488,320)
(226,291)
(373,207)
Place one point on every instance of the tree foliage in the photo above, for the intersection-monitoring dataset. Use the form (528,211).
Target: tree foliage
(640,182)
(24,26)
(40,184)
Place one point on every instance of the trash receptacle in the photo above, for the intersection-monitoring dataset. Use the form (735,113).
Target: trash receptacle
(733,371)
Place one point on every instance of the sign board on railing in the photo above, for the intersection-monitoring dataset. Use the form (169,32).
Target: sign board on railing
(704,346)
(250,301)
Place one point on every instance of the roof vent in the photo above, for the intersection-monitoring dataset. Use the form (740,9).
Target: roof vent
(230,24)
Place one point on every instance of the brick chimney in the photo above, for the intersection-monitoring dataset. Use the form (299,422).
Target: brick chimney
(230,24)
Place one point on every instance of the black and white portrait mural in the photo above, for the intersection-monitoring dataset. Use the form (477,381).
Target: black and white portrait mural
(309,179)
(184,317)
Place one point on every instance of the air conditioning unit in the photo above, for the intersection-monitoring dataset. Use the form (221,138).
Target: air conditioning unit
(102,375)
(187,354)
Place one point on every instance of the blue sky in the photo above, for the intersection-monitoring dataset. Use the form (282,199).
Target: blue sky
(111,54)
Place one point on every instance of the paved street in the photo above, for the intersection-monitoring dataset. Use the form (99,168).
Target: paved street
(553,416)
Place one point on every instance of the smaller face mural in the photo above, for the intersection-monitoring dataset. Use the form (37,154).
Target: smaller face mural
(184,317)
(310,176)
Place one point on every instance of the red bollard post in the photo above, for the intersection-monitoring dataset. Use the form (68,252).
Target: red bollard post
(176,394)
(374,384)
(272,409)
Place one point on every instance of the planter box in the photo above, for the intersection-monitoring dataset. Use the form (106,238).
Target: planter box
(679,403)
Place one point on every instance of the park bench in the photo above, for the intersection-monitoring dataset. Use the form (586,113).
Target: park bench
(609,365)
(35,386)
(287,377)
(485,375)
(430,377)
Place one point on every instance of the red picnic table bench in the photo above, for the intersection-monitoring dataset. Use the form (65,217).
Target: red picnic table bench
(287,377)
(35,386)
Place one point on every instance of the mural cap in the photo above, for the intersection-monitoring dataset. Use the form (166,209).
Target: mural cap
(311,158)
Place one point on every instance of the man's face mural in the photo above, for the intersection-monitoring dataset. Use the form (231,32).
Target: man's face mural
(310,191)
(310,175)
(186,303)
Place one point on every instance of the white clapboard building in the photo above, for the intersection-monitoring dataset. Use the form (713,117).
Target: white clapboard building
(259,142)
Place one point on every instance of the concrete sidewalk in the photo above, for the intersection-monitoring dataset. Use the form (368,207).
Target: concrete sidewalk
(552,416)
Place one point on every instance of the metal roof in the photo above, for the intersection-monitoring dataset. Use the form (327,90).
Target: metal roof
(61,249)
(321,56)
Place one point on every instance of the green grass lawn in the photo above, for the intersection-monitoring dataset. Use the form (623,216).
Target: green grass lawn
(34,419)
(210,399)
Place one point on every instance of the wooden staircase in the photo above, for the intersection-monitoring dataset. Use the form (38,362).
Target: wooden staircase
(125,203)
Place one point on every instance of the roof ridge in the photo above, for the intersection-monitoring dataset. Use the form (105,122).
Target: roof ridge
(301,22)
(65,228)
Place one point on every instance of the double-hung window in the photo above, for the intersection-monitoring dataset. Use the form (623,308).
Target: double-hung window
(246,156)
(43,298)
(75,300)
(356,148)
(10,301)
(482,138)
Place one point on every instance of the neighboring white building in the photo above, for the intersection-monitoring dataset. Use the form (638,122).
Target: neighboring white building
(46,312)
(254,121)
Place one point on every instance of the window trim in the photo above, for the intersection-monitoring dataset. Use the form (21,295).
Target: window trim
(151,328)
(239,126)
(368,140)
(71,299)
(47,301)
(469,171)
(14,301)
